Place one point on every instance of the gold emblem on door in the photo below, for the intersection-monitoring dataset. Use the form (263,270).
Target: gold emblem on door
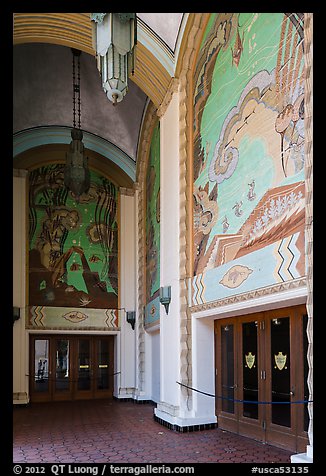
(280,361)
(250,360)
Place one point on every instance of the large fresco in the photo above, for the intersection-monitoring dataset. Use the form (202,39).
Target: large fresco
(73,247)
(248,154)
(152,273)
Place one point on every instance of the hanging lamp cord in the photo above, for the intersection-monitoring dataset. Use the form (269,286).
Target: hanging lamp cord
(76,86)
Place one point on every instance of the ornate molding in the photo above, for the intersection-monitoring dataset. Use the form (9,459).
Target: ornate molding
(251,295)
(308,123)
(97,17)
(139,186)
(187,63)
(173,88)
(20,173)
(130,192)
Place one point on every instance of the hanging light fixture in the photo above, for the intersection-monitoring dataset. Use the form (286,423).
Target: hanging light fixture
(76,172)
(115,38)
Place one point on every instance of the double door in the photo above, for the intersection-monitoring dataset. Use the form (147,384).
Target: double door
(261,376)
(66,367)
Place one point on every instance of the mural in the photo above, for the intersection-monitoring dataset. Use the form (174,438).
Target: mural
(248,154)
(152,313)
(73,248)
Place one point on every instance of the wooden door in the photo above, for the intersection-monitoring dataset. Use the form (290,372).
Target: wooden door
(71,367)
(261,375)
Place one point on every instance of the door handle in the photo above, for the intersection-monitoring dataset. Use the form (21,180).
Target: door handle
(292,393)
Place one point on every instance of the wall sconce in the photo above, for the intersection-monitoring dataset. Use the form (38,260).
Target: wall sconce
(16,314)
(165,297)
(131,318)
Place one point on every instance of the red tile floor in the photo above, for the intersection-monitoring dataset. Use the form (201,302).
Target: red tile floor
(105,431)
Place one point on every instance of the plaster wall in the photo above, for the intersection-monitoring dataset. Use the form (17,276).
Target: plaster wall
(203,369)
(127,294)
(169,254)
(155,341)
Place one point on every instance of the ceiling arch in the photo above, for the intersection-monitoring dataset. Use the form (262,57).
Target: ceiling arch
(38,137)
(55,153)
(75,30)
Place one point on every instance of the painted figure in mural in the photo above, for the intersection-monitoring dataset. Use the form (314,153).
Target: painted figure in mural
(205,217)
(237,209)
(242,114)
(289,115)
(251,194)
(225,224)
(54,228)
(70,265)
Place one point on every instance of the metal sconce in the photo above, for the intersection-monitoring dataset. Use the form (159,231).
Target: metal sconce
(165,297)
(131,318)
(16,314)
(115,38)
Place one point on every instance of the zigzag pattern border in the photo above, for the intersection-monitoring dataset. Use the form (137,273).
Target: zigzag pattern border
(277,288)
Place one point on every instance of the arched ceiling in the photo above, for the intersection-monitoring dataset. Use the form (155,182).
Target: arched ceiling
(155,59)
(42,86)
(42,99)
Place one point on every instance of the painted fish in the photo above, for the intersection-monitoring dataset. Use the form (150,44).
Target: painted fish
(238,49)
(94,259)
(75,267)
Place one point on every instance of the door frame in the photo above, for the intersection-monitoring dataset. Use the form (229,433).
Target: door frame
(263,429)
(72,393)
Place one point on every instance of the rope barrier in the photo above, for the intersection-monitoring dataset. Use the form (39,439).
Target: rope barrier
(236,400)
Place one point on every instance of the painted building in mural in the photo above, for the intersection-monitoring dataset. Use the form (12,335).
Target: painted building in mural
(207,190)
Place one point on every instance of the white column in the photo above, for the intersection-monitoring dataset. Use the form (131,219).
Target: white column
(126,381)
(20,341)
(168,407)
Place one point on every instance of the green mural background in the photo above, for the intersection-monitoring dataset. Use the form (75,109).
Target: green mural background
(73,247)
(153,229)
(249,151)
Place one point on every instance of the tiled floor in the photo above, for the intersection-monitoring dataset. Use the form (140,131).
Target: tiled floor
(104,431)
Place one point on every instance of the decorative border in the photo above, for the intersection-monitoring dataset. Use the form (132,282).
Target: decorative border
(69,318)
(198,23)
(308,122)
(143,154)
(185,429)
(254,294)
(173,88)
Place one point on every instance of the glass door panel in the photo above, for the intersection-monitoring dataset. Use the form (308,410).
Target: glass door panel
(41,365)
(84,364)
(250,369)
(280,366)
(62,369)
(227,374)
(103,364)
